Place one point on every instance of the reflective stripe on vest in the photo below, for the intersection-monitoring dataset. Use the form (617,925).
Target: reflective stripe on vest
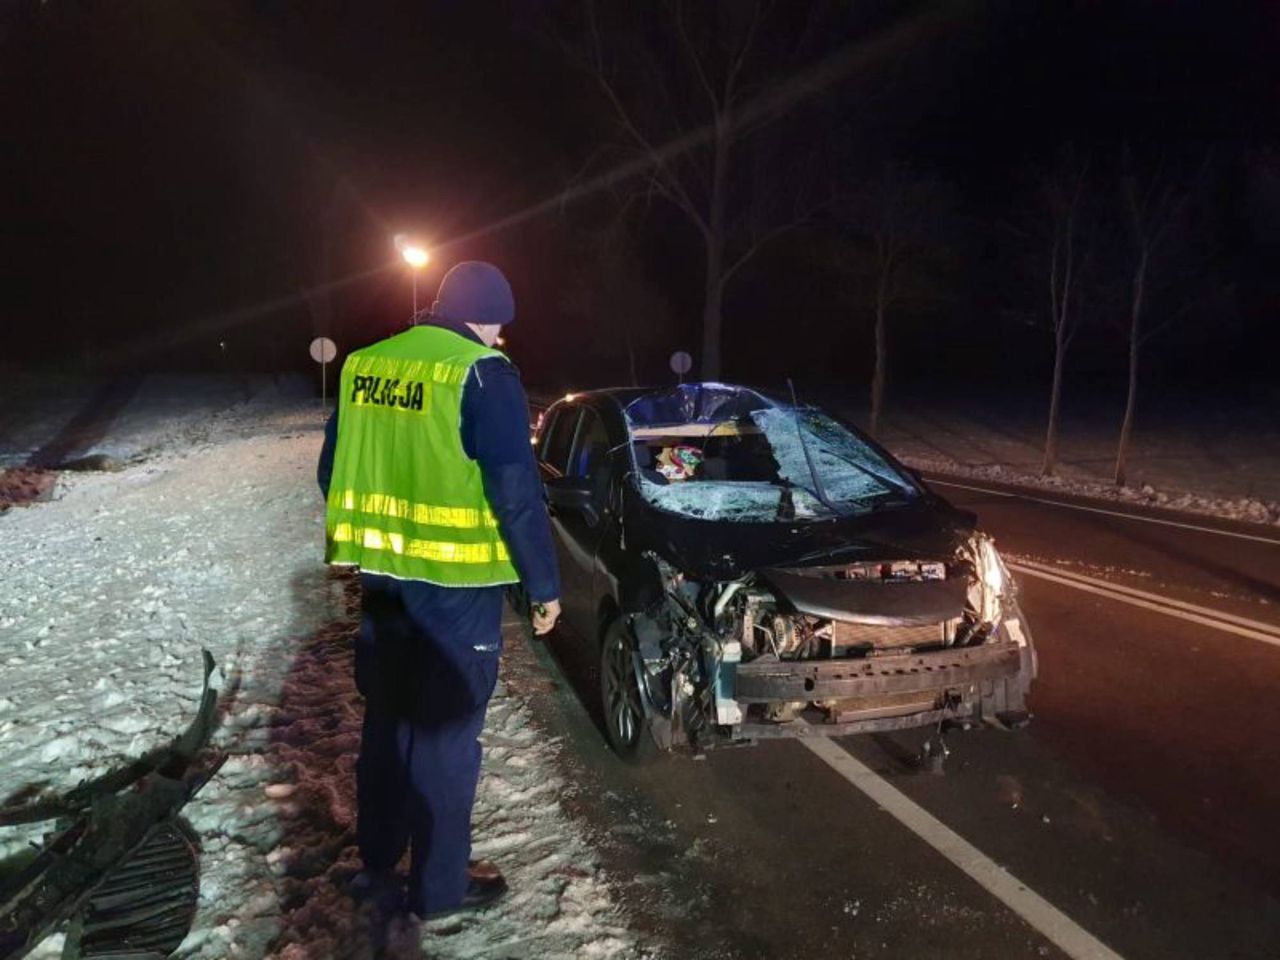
(404,498)
(430,514)
(373,539)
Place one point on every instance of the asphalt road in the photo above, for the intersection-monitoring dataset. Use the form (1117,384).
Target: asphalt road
(1133,818)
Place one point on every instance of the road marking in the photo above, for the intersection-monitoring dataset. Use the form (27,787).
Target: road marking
(1229,623)
(1110,513)
(1056,926)
(1156,597)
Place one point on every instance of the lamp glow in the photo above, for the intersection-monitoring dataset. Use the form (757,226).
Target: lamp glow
(413,253)
(415,257)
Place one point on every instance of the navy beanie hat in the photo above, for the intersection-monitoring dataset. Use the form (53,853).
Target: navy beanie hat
(474,292)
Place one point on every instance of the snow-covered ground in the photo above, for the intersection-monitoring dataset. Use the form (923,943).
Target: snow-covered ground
(210,536)
(1223,462)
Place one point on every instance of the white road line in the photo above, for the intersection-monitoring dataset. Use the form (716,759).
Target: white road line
(1155,597)
(1056,926)
(1172,608)
(1110,513)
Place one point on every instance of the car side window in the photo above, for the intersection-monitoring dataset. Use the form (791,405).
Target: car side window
(544,433)
(559,440)
(591,447)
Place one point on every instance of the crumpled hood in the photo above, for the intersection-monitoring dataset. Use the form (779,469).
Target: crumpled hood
(871,601)
(719,550)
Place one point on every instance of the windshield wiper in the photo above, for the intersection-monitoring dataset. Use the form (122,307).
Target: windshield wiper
(818,490)
(831,552)
(789,485)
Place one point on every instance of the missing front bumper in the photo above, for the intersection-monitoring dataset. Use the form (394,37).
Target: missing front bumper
(887,693)
(764,680)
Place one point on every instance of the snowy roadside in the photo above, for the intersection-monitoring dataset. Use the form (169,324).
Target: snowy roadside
(1248,509)
(213,540)
(1232,472)
(127,419)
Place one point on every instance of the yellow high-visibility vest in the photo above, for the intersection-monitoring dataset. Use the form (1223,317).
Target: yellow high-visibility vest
(405,499)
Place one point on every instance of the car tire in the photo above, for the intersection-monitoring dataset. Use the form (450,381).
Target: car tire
(627,724)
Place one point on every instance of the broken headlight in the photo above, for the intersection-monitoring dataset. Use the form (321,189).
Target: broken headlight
(991,580)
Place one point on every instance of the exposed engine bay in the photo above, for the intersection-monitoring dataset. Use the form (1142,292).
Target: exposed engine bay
(834,648)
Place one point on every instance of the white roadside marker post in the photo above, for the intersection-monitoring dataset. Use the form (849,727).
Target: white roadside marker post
(323,350)
(681,363)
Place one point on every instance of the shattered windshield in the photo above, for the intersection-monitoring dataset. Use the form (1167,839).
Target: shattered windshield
(726,453)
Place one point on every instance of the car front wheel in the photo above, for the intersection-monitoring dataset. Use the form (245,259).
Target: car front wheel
(626,723)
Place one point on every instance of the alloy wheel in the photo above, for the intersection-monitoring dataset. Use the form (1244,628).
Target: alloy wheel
(624,713)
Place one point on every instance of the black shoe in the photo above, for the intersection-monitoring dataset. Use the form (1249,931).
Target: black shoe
(383,889)
(481,893)
(482,870)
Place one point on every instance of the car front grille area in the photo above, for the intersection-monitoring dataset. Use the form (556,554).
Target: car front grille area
(840,638)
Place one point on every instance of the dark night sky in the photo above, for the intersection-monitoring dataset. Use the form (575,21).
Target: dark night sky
(176,174)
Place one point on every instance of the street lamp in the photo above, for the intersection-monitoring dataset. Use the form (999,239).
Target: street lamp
(417,257)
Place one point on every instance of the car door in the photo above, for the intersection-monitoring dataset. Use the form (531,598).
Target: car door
(579,511)
(554,448)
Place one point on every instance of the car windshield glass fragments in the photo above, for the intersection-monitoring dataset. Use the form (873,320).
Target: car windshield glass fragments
(724,453)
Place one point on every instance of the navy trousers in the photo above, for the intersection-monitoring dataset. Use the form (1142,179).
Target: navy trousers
(426,663)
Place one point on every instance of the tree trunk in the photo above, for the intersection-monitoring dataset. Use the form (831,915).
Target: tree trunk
(713,289)
(1055,393)
(712,318)
(878,376)
(1135,347)
(1062,319)
(1126,428)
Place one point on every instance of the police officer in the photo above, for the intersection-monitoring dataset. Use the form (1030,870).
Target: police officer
(432,491)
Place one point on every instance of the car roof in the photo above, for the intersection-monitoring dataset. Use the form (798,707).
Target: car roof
(626,395)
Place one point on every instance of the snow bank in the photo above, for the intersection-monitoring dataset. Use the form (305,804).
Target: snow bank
(1217,459)
(214,540)
(1250,509)
(62,418)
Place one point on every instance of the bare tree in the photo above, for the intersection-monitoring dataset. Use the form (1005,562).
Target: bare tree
(1070,233)
(1154,212)
(681,105)
(899,216)
(608,286)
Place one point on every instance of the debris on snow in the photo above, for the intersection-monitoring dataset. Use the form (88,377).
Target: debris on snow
(211,535)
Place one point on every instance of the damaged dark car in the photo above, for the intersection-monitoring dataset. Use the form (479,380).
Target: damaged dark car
(753,568)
